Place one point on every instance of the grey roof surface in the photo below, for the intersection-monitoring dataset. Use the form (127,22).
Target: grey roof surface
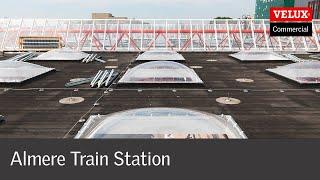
(271,107)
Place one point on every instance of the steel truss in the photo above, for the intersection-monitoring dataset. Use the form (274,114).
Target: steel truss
(148,34)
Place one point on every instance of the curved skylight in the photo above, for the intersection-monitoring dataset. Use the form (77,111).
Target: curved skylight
(160,121)
(161,72)
(158,55)
(302,72)
(64,54)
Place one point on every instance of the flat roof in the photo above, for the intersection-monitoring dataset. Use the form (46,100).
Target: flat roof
(271,107)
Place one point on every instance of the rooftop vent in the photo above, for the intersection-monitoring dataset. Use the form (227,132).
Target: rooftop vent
(2,119)
(258,56)
(159,121)
(39,43)
(302,73)
(158,72)
(158,55)
(64,54)
(17,71)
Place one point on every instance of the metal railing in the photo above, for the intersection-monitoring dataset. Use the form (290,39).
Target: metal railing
(148,34)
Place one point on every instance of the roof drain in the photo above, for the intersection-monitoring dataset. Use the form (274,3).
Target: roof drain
(71,100)
(2,119)
(245,80)
(196,67)
(228,101)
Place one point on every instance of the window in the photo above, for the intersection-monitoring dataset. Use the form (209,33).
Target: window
(41,43)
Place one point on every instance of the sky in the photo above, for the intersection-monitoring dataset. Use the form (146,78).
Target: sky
(128,8)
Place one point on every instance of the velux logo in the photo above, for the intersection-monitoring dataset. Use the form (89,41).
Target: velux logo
(295,21)
(298,14)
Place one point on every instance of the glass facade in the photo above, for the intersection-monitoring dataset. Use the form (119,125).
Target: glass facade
(315,5)
(181,35)
(263,7)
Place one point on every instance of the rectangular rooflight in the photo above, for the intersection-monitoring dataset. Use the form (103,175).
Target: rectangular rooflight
(18,72)
(302,72)
(258,56)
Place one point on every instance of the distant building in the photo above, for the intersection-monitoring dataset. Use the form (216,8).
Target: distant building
(315,5)
(105,16)
(101,17)
(263,7)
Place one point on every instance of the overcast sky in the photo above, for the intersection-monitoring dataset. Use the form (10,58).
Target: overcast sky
(130,8)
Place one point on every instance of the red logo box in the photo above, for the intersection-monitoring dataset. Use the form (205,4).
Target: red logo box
(295,14)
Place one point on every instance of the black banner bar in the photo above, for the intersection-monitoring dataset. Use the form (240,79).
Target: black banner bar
(188,159)
(290,29)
